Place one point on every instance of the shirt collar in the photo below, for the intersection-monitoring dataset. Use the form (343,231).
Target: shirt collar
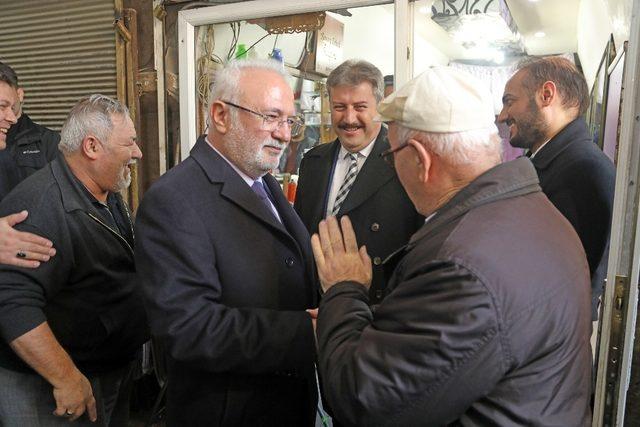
(364,152)
(243,175)
(90,196)
(427,219)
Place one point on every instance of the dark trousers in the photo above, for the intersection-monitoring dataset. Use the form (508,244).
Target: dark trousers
(26,400)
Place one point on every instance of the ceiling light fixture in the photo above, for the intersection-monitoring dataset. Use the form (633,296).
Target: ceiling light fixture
(540,34)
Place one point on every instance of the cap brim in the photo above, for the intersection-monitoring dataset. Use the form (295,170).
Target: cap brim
(382,119)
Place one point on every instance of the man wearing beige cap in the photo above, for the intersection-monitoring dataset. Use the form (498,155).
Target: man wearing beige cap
(487,320)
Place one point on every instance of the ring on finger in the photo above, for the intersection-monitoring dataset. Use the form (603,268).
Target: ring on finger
(68,413)
(21,254)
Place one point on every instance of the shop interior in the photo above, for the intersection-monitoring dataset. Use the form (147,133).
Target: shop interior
(485,38)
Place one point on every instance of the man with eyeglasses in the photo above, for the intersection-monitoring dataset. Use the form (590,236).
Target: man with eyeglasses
(71,329)
(487,321)
(25,147)
(226,268)
(348,177)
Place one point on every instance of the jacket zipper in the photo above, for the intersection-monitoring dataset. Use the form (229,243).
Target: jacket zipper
(115,233)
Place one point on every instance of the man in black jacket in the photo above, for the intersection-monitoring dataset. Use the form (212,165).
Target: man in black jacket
(25,147)
(487,321)
(543,104)
(71,327)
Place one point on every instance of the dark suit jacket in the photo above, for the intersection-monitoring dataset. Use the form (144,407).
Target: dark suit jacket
(579,179)
(383,217)
(225,286)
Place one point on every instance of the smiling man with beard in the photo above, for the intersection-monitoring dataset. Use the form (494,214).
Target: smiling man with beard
(226,267)
(72,327)
(348,176)
(543,104)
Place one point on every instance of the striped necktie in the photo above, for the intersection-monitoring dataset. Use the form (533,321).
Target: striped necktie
(349,179)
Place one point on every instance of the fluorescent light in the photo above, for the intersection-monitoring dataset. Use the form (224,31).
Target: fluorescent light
(540,34)
(534,1)
(425,10)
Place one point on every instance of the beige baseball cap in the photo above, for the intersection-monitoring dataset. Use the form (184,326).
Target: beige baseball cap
(442,99)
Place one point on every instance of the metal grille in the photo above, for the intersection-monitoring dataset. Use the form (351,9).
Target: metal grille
(61,51)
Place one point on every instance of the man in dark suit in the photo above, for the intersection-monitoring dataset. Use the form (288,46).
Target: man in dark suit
(542,105)
(348,177)
(226,268)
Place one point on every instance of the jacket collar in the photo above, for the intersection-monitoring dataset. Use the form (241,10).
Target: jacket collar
(374,174)
(23,132)
(73,196)
(504,181)
(575,132)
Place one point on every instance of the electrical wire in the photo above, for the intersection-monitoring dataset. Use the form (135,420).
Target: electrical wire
(259,40)
(205,64)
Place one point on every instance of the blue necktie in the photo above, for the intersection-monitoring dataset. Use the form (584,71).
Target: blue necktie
(258,188)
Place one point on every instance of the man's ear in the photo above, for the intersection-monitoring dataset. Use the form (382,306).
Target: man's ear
(423,159)
(219,116)
(547,93)
(91,147)
(20,92)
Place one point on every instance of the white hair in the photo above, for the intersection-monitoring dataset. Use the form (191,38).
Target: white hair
(458,148)
(226,86)
(90,116)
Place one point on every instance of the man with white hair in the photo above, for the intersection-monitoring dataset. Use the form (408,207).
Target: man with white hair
(487,320)
(72,327)
(226,266)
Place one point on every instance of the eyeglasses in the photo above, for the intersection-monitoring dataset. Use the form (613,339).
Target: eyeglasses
(388,155)
(272,122)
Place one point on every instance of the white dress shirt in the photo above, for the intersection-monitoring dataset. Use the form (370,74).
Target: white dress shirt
(341,169)
(538,150)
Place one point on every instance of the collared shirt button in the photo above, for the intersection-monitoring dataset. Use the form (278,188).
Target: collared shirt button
(289,262)
(378,294)
(375,226)
(377,260)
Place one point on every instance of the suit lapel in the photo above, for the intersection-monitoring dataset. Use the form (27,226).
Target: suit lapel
(374,174)
(574,132)
(296,231)
(234,188)
(290,221)
(321,168)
